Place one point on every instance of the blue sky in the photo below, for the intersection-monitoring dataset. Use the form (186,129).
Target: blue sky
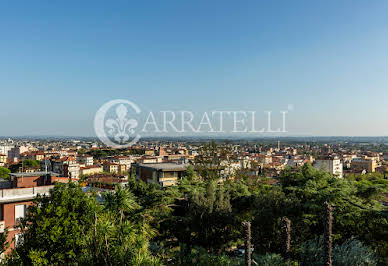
(61,60)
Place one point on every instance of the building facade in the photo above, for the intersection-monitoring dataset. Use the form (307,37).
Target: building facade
(164,174)
(332,165)
(360,165)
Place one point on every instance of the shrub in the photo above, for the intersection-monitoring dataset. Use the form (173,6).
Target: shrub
(200,256)
(269,259)
(351,252)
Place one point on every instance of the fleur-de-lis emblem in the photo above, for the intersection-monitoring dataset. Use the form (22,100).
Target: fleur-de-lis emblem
(121,127)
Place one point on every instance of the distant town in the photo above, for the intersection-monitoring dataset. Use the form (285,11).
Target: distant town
(74,158)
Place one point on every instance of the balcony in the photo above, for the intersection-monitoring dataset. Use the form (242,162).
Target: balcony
(23,194)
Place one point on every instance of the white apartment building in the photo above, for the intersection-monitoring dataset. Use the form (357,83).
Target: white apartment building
(4,149)
(122,160)
(85,159)
(331,165)
(66,167)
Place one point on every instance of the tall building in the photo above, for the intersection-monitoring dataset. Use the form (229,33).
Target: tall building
(332,165)
(15,152)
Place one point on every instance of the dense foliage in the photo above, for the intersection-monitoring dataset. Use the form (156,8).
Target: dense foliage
(199,221)
(351,252)
(29,163)
(4,172)
(72,227)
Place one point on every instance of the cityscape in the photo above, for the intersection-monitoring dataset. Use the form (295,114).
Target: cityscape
(32,166)
(194,133)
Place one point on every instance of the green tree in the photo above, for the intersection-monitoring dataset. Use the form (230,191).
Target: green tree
(156,207)
(29,163)
(300,195)
(271,204)
(119,239)
(120,201)
(190,173)
(97,154)
(72,227)
(82,151)
(209,220)
(4,173)
(57,226)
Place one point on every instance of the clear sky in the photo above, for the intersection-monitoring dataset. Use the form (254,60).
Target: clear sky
(61,60)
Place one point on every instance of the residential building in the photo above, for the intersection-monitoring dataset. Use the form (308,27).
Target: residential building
(91,170)
(111,167)
(3,158)
(296,161)
(164,174)
(265,158)
(333,165)
(15,152)
(347,159)
(360,164)
(72,170)
(4,149)
(122,160)
(85,159)
(230,168)
(66,166)
(123,168)
(147,159)
(33,155)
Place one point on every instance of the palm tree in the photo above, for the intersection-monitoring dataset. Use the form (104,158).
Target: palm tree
(120,201)
(286,235)
(247,227)
(328,231)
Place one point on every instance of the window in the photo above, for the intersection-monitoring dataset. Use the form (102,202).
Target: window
(20,211)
